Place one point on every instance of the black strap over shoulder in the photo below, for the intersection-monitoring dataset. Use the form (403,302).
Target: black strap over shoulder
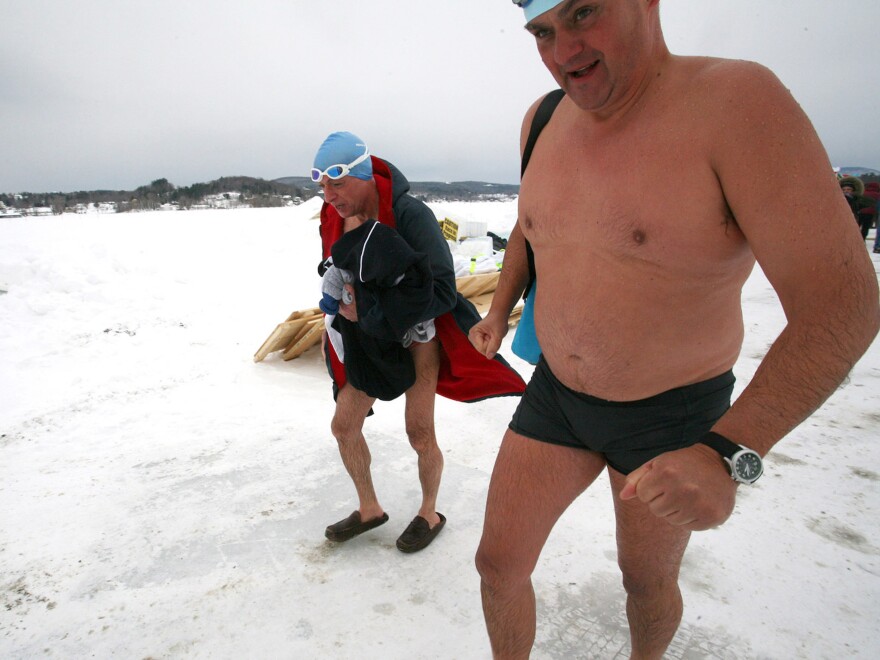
(539,121)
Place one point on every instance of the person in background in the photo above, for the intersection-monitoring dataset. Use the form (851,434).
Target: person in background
(853,189)
(639,313)
(872,191)
(359,189)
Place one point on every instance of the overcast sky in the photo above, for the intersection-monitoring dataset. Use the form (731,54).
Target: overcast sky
(101,94)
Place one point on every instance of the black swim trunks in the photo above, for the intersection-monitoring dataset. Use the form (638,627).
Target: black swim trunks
(627,433)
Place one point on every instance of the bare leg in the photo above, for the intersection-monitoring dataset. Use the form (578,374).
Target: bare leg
(649,551)
(347,426)
(420,425)
(532,485)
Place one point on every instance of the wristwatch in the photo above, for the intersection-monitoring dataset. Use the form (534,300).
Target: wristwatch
(745,465)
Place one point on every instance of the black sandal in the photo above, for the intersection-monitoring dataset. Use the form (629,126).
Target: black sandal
(352,526)
(418,534)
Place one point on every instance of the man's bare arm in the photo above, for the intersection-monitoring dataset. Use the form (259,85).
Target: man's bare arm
(788,204)
(781,190)
(486,336)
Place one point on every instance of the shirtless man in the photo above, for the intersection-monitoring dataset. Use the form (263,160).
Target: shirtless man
(639,313)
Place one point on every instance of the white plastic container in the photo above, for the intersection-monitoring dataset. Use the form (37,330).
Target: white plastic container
(476,247)
(472,228)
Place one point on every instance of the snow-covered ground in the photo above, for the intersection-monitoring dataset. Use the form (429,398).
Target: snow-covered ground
(163,496)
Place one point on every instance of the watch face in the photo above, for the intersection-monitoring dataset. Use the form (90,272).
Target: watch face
(748,466)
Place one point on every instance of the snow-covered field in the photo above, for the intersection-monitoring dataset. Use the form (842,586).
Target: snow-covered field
(163,496)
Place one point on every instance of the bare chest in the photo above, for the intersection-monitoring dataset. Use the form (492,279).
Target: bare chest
(649,195)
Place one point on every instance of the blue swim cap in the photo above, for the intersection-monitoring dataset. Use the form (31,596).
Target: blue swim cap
(343,148)
(533,8)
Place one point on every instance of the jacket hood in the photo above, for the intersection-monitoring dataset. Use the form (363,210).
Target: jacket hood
(399,183)
(857,184)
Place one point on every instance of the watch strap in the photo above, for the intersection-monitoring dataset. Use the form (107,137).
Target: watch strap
(724,446)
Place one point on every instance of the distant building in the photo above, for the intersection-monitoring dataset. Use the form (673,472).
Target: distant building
(38,211)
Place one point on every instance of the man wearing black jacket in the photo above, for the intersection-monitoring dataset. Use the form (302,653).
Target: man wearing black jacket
(358,189)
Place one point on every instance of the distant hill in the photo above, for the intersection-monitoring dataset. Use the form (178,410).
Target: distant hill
(160,193)
(238,190)
(428,191)
(859,171)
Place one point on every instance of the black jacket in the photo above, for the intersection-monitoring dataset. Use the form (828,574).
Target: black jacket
(379,365)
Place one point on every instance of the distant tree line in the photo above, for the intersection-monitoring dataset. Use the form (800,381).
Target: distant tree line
(253,192)
(250,191)
(430,191)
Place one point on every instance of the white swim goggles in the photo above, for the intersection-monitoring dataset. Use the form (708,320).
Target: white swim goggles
(338,171)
